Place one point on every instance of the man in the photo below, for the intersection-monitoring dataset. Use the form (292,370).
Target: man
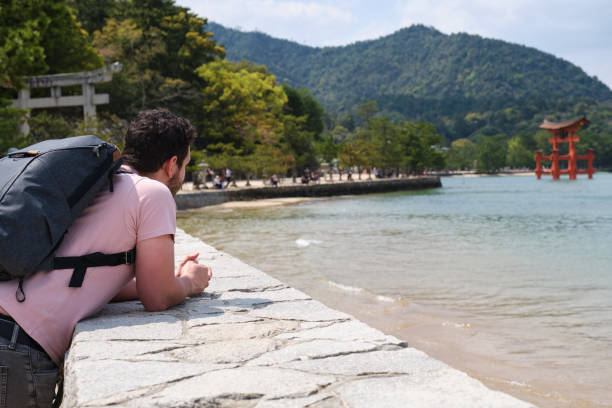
(141,213)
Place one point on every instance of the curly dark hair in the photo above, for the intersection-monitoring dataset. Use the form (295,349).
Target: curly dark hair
(153,137)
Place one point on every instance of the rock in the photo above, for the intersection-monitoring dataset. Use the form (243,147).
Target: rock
(308,310)
(237,384)
(148,326)
(445,388)
(315,349)
(402,361)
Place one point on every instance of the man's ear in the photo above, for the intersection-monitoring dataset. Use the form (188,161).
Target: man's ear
(170,166)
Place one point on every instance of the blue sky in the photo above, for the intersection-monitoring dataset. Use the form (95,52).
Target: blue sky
(577,31)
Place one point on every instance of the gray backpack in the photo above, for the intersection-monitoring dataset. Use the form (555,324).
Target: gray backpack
(43,189)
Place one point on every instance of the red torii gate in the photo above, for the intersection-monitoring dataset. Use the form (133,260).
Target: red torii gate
(564,132)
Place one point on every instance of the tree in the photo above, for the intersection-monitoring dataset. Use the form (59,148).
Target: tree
(242,105)
(366,112)
(356,153)
(519,155)
(39,37)
(160,46)
(301,103)
(461,155)
(421,146)
(244,120)
(10,118)
(491,154)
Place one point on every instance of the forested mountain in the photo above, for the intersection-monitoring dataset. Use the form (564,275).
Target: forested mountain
(417,61)
(419,73)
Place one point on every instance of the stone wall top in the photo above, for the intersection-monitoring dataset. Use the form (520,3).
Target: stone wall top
(252,341)
(214,197)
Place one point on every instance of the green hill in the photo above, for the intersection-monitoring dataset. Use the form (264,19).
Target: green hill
(419,73)
(417,61)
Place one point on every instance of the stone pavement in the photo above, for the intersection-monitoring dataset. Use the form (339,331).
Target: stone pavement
(252,341)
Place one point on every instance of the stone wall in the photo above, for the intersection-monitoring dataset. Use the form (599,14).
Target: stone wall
(252,341)
(214,197)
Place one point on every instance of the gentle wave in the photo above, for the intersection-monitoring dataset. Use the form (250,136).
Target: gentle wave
(303,243)
(346,288)
(354,289)
(387,299)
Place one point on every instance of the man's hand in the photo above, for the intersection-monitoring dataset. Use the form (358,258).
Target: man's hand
(191,257)
(197,275)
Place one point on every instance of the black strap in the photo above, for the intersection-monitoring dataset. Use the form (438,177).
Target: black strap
(20,294)
(79,264)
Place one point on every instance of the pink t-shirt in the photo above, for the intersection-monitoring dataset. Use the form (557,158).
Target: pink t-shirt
(139,208)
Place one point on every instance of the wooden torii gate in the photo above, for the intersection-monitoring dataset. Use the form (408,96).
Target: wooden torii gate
(88,99)
(564,132)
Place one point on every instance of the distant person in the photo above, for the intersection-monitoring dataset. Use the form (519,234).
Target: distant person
(274,180)
(228,176)
(305,178)
(314,176)
(217,183)
(349,175)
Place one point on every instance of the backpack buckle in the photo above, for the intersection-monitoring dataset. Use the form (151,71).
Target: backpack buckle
(130,256)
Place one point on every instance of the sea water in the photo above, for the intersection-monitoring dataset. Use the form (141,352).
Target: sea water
(507,278)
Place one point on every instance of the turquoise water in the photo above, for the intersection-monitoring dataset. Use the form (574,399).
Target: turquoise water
(508,278)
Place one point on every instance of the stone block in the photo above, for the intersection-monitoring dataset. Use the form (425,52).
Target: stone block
(87,381)
(148,326)
(445,388)
(314,349)
(401,361)
(254,330)
(250,384)
(343,331)
(308,310)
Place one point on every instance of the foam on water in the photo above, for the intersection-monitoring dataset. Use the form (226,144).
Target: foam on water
(345,288)
(303,243)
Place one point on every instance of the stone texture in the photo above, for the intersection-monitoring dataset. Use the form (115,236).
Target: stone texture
(346,331)
(251,341)
(148,326)
(308,310)
(259,383)
(223,332)
(231,351)
(91,380)
(316,349)
(445,388)
(404,361)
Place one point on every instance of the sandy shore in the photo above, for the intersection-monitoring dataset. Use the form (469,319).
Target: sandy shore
(270,202)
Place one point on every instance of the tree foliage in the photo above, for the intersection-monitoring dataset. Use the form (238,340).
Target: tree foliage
(40,37)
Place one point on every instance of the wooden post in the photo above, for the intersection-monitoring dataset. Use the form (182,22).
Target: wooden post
(538,159)
(590,157)
(571,162)
(555,164)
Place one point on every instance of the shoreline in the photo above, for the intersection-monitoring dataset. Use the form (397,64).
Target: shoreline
(251,340)
(205,198)
(430,330)
(449,338)
(258,203)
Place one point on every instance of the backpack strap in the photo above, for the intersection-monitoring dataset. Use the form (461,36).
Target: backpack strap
(79,264)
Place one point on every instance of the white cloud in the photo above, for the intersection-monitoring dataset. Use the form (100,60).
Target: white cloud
(305,22)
